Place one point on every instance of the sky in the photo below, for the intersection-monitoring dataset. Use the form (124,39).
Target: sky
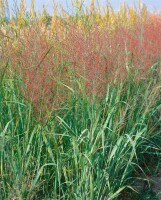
(152,5)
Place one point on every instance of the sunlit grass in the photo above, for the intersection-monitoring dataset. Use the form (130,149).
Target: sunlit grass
(80,103)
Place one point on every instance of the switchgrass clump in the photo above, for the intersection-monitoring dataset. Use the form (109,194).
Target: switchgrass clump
(80,102)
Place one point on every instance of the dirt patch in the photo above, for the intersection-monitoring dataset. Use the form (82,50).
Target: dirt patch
(156,184)
(149,187)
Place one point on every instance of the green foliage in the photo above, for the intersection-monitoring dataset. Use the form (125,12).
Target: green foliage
(87,149)
(80,104)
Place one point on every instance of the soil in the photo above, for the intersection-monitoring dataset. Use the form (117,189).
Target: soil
(156,184)
(149,187)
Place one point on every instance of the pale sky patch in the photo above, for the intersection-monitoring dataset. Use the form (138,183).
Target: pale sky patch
(152,5)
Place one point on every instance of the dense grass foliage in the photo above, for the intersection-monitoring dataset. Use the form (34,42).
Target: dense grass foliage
(80,102)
